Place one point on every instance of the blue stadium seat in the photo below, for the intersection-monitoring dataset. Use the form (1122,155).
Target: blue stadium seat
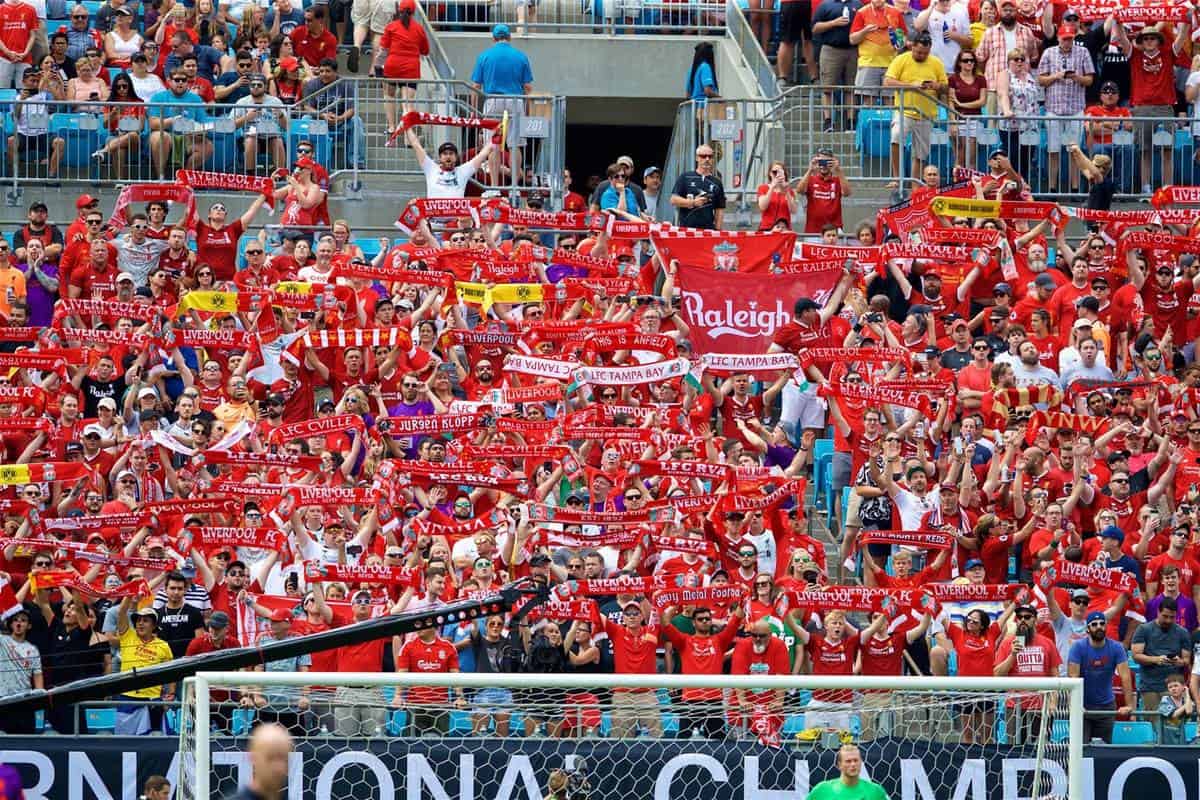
(83,133)
(1061,731)
(369,246)
(873,133)
(822,469)
(317,132)
(397,721)
(671,724)
(460,723)
(847,491)
(39,721)
(242,721)
(1189,731)
(792,724)
(1133,733)
(171,721)
(101,720)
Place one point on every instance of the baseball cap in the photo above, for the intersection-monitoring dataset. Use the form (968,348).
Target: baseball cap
(93,429)
(1077,594)
(73,447)
(501,31)
(539,560)
(104,402)
(38,205)
(1044,280)
(1066,31)
(1110,86)
(1082,323)
(1097,616)
(1113,532)
(632,604)
(147,391)
(279,615)
(806,304)
(144,612)
(650,171)
(973,563)
(219,619)
(625,160)
(326,404)
(1002,288)
(85,200)
(448,147)
(959,323)
(258,77)
(275,399)
(1000,151)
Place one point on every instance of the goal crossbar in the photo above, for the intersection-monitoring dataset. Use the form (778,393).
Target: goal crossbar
(1071,689)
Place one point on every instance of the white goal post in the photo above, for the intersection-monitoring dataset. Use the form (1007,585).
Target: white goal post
(507,736)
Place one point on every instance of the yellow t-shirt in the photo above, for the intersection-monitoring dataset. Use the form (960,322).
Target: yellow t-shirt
(136,654)
(906,69)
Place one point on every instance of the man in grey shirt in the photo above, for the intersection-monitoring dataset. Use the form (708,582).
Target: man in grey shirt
(20,671)
(1160,647)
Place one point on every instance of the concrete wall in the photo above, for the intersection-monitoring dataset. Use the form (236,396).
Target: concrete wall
(595,66)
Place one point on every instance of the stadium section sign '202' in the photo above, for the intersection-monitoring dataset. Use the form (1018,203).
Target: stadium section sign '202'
(112,768)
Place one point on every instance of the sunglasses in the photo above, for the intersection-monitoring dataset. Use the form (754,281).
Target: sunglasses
(1079,600)
(236,573)
(94,221)
(980,347)
(633,497)
(254,252)
(42,563)
(748,554)
(1017,59)
(1026,617)
(701,619)
(179,80)
(704,155)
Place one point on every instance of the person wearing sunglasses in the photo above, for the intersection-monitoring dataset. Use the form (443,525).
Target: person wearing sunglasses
(699,195)
(137,253)
(259,117)
(31,140)
(167,108)
(701,652)
(1026,653)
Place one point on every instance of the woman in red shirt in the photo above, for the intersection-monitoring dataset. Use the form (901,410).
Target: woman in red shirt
(974,642)
(777,200)
(400,50)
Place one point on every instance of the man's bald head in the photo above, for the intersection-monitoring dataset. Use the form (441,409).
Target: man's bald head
(761,627)
(270,746)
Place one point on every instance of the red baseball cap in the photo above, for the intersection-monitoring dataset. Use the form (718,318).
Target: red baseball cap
(85,200)
(281,615)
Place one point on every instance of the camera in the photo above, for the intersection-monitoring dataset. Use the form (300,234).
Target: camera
(874,317)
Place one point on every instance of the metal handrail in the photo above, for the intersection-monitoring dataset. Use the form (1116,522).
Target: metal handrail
(739,31)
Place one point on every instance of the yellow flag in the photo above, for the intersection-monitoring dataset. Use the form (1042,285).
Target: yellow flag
(516,293)
(209,301)
(294,287)
(11,474)
(964,207)
(504,130)
(473,293)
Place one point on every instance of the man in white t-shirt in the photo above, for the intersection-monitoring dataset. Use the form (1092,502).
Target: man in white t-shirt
(950,27)
(914,502)
(446,178)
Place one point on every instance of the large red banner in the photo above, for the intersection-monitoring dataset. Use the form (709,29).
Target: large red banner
(730,251)
(734,312)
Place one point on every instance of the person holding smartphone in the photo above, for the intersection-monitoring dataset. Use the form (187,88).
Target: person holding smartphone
(699,194)
(1064,73)
(1025,654)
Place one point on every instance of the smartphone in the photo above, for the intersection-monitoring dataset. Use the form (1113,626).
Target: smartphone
(958,446)
(823,162)
(1068,73)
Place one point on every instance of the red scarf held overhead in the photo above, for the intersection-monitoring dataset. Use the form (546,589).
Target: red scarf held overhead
(423,208)
(211,536)
(461,530)
(1090,575)
(683,469)
(198,179)
(107,308)
(879,395)
(359,573)
(436,424)
(601,343)
(1079,423)
(870,355)
(926,540)
(67,579)
(317,427)
(1173,195)
(147,192)
(620,539)
(240,459)
(1158,241)
(582,610)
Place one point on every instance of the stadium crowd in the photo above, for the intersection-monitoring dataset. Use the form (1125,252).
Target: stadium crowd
(215,441)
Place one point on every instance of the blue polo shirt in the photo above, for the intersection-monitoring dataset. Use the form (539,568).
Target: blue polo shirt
(1096,667)
(502,69)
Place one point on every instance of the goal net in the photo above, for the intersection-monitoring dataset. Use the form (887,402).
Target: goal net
(470,736)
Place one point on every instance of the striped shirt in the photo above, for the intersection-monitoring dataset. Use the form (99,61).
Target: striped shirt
(1065,97)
